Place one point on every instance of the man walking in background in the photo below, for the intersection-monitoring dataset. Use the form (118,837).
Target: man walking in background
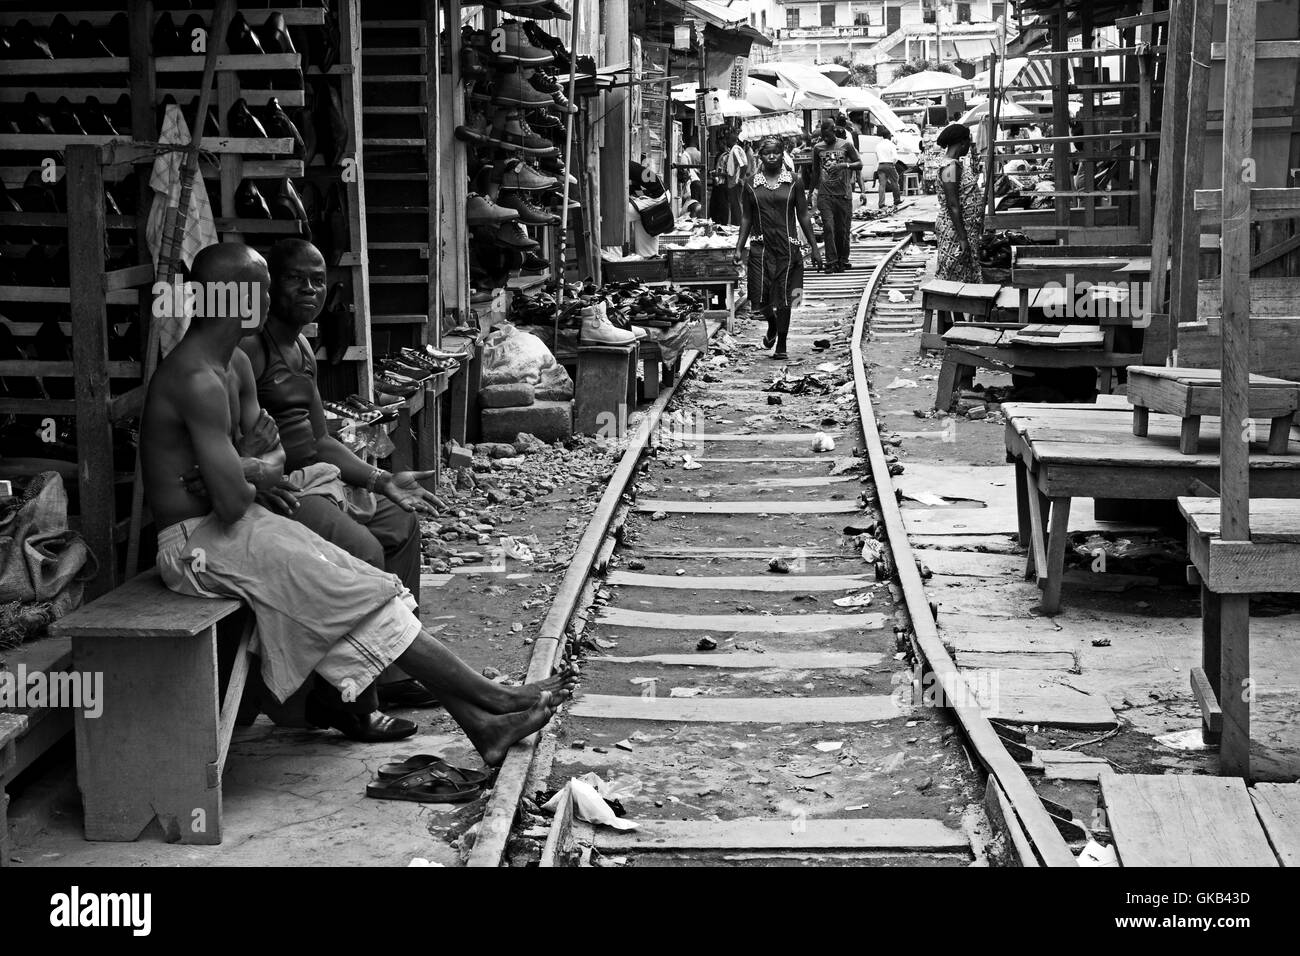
(887,168)
(834,165)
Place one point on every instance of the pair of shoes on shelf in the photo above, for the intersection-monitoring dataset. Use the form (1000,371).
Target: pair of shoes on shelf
(597,329)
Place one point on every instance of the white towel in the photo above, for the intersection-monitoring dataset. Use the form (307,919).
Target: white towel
(200,227)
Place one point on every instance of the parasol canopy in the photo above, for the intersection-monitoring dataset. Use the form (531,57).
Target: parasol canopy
(1007,112)
(926,82)
(727,106)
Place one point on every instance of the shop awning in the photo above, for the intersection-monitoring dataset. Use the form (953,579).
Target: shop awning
(976,49)
(714,14)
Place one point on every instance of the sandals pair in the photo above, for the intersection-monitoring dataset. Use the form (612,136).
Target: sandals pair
(427,778)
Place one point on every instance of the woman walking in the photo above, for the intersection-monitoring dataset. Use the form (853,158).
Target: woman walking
(959,225)
(771,203)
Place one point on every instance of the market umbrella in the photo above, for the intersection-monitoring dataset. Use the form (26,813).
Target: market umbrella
(799,77)
(926,82)
(767,97)
(1007,111)
(834,72)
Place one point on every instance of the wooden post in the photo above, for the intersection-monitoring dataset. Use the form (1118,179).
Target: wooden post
(1186,271)
(350,50)
(454,258)
(1234,466)
(990,169)
(1167,220)
(614,156)
(1061,120)
(95,471)
(1141,170)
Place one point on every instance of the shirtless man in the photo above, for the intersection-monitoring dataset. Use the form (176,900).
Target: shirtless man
(317,607)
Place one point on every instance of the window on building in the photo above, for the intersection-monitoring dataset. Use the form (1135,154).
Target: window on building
(792,18)
(828,14)
(864,16)
(963,12)
(762,21)
(997,11)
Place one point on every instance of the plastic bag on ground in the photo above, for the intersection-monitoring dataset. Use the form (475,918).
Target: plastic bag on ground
(511,356)
(589,805)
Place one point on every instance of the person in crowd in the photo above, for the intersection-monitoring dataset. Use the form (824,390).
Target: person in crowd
(643,185)
(689,178)
(959,224)
(834,162)
(887,168)
(773,210)
(208,474)
(731,169)
(368,512)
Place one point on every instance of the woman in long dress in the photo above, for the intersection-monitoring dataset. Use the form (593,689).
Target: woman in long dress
(959,225)
(772,202)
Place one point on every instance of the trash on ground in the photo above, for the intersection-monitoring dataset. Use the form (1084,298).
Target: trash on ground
(1183,740)
(823,442)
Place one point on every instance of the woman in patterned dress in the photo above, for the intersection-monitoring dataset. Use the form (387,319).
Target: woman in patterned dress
(959,225)
(771,202)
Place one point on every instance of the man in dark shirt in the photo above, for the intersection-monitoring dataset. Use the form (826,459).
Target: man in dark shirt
(834,165)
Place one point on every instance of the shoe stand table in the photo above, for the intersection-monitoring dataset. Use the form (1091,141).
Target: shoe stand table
(1063,452)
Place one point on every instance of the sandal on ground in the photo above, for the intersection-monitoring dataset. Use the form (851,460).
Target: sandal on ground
(405,766)
(429,785)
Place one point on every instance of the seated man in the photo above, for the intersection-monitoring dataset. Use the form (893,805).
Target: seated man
(318,608)
(386,531)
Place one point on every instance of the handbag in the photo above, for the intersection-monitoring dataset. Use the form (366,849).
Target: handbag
(656,214)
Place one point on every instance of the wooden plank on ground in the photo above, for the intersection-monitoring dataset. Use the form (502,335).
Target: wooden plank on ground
(691,551)
(740,710)
(1278,807)
(749,834)
(1032,697)
(709,507)
(742,623)
(763,438)
(1183,820)
(756,582)
(754,660)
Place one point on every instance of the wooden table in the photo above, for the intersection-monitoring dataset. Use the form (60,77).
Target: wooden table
(1268,562)
(1190,393)
(1062,452)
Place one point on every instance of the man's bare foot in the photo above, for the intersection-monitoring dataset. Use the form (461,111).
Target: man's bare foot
(497,734)
(559,685)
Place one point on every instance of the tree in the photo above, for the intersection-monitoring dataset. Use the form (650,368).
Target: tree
(920,66)
(860,74)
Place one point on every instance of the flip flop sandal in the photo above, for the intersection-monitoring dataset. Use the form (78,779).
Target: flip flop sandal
(405,766)
(430,785)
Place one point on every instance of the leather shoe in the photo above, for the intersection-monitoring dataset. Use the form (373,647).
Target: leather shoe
(375,727)
(279,126)
(249,202)
(243,122)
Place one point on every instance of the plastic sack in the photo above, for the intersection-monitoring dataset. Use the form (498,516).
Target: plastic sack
(511,357)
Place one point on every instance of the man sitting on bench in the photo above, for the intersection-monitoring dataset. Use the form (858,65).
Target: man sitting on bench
(318,609)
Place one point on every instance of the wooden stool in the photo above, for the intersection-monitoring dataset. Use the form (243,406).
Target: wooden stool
(1190,393)
(911,183)
(606,387)
(940,298)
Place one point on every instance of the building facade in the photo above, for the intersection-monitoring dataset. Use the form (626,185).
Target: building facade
(886,33)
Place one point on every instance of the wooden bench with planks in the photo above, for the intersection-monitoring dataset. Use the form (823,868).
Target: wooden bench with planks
(941,298)
(1190,393)
(1268,562)
(11,728)
(159,747)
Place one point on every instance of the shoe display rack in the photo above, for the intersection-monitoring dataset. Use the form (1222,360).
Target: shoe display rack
(282,156)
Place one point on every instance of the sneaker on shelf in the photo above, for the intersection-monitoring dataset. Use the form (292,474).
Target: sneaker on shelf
(511,43)
(511,89)
(545,41)
(513,130)
(598,330)
(556,168)
(481,296)
(544,81)
(432,358)
(385,412)
(519,175)
(476,138)
(512,235)
(386,385)
(529,214)
(482,211)
(347,412)
(555,200)
(403,371)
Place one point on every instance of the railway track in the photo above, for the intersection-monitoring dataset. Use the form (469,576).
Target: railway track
(746,613)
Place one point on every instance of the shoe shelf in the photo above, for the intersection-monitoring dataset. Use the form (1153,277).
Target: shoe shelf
(102,18)
(47,142)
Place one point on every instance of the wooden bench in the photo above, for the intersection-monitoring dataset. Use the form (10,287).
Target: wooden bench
(1190,393)
(1063,451)
(11,728)
(1233,570)
(159,748)
(940,298)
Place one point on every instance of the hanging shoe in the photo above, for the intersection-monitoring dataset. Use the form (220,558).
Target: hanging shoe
(509,43)
(61,37)
(27,44)
(287,204)
(528,213)
(486,140)
(511,235)
(335,324)
(279,126)
(519,175)
(511,89)
(534,263)
(249,202)
(482,211)
(514,131)
(543,120)
(95,120)
(243,123)
(34,117)
(274,35)
(544,82)
(542,40)
(241,39)
(166,39)
(117,35)
(65,121)
(210,125)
